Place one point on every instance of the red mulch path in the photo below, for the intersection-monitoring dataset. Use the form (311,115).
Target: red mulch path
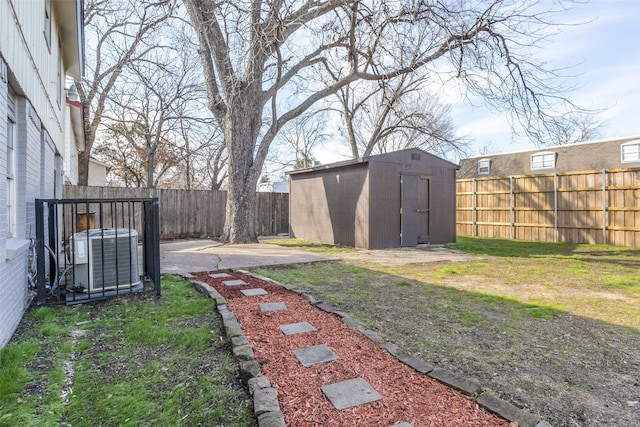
(408,396)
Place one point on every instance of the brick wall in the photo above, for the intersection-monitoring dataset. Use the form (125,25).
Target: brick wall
(35,168)
(14,293)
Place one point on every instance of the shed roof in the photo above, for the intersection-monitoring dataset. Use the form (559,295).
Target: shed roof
(374,158)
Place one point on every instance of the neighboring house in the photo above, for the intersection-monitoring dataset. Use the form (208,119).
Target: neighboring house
(596,155)
(402,198)
(273,187)
(97,173)
(40,44)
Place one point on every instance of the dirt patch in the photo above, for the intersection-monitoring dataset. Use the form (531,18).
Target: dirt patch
(403,256)
(572,371)
(407,395)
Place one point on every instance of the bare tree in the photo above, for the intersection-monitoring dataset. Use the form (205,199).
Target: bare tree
(202,159)
(118,33)
(217,167)
(126,167)
(580,127)
(128,162)
(265,63)
(388,115)
(294,145)
(149,108)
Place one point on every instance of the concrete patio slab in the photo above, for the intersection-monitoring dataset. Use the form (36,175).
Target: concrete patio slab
(350,393)
(236,282)
(314,355)
(253,292)
(297,328)
(189,256)
(273,306)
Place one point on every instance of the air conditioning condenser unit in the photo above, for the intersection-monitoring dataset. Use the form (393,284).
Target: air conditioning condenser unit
(105,259)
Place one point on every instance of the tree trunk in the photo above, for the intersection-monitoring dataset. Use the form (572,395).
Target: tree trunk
(83,167)
(188,163)
(239,226)
(241,126)
(150,167)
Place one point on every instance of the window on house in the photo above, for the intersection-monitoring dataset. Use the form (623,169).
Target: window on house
(630,152)
(10,171)
(47,23)
(544,160)
(484,166)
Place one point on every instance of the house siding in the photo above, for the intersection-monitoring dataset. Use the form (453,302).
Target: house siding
(4,92)
(70,155)
(29,69)
(34,170)
(14,292)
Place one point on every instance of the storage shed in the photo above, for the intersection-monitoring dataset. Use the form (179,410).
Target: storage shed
(402,198)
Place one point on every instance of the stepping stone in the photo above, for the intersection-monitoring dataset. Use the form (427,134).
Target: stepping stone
(273,306)
(402,425)
(219,275)
(236,282)
(297,328)
(314,355)
(253,292)
(350,393)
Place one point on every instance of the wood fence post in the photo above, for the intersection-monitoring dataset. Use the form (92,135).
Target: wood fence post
(604,206)
(474,231)
(511,209)
(555,207)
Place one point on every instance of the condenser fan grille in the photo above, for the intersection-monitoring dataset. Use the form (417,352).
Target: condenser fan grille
(114,264)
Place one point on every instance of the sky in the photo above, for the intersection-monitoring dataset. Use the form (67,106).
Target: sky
(604,55)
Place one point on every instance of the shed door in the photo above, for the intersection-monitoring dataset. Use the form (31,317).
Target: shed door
(415,210)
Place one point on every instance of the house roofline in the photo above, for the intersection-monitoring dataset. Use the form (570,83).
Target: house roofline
(555,147)
(98,162)
(69,15)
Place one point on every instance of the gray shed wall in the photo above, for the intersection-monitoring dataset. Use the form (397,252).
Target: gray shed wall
(443,205)
(384,216)
(359,204)
(331,206)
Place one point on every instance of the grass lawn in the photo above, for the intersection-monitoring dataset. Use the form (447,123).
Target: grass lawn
(554,328)
(139,360)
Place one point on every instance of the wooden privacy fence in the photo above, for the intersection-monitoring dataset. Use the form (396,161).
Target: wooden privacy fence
(573,207)
(189,213)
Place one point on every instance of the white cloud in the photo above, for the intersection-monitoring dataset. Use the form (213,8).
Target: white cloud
(605,51)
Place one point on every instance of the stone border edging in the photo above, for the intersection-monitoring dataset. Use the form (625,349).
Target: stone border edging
(265,400)
(465,385)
